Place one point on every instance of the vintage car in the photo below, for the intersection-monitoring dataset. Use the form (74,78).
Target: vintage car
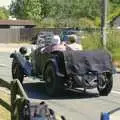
(65,69)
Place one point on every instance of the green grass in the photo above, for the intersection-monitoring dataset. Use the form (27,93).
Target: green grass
(116,54)
(113,44)
(92,41)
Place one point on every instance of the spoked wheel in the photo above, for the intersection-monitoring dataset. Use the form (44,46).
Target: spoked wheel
(105,84)
(54,84)
(17,72)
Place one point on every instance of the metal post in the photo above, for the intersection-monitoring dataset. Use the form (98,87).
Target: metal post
(104,11)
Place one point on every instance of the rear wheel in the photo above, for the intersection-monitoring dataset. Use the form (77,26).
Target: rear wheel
(17,72)
(54,84)
(105,84)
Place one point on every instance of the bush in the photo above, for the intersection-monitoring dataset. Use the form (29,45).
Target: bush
(47,23)
(113,43)
(91,40)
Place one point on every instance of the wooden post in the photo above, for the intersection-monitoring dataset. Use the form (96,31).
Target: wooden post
(17,89)
(14,90)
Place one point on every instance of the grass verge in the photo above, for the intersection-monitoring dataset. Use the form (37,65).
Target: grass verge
(4,106)
(92,41)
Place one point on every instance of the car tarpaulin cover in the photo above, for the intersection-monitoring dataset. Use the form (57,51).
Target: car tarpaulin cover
(81,62)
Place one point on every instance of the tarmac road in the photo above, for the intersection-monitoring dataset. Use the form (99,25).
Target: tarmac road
(5,66)
(73,105)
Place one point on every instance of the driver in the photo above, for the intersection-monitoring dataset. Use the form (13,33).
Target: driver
(56,45)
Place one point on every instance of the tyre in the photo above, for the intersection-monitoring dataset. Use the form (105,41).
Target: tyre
(105,84)
(16,71)
(54,84)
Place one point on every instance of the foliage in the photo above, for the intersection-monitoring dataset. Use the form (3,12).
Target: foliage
(92,40)
(60,10)
(115,1)
(74,8)
(113,39)
(26,9)
(114,10)
(63,13)
(46,23)
(4,14)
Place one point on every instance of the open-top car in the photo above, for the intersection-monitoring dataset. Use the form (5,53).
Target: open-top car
(66,69)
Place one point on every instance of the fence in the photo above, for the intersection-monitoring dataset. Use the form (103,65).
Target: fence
(9,35)
(26,34)
(22,35)
(22,108)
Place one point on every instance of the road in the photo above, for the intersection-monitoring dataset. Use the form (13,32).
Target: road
(73,105)
(5,66)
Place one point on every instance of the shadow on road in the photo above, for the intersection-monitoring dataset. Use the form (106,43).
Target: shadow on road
(37,91)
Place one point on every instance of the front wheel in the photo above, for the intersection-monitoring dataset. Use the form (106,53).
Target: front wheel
(17,71)
(54,84)
(105,84)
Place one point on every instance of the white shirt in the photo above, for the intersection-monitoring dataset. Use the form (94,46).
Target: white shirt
(75,46)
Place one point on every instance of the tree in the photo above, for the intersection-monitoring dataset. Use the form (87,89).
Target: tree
(4,14)
(59,10)
(26,9)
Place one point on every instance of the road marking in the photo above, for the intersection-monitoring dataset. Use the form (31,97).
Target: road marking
(116,92)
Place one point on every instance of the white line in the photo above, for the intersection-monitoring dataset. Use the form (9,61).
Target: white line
(116,92)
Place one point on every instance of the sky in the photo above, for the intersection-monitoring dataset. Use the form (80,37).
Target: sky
(5,3)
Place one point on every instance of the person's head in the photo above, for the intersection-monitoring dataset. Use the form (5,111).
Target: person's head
(72,39)
(56,40)
(23,50)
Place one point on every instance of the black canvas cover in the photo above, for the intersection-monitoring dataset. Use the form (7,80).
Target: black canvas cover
(81,62)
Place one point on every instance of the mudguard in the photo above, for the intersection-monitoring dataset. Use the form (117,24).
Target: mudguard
(54,62)
(25,64)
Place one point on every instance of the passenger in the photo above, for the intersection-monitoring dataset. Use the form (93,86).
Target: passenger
(72,45)
(56,46)
(63,43)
